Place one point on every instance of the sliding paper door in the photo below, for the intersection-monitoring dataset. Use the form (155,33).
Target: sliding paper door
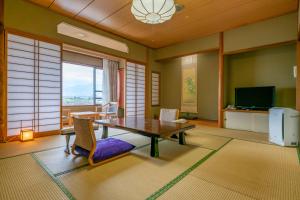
(33,85)
(20,83)
(49,87)
(135,90)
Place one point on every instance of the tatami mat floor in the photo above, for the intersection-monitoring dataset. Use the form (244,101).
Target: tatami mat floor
(216,164)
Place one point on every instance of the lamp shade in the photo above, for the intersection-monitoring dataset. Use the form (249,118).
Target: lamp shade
(26,135)
(153,11)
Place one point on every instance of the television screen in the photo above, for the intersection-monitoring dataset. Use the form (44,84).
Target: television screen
(260,98)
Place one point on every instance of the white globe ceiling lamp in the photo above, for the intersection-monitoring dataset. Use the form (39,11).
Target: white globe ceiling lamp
(153,11)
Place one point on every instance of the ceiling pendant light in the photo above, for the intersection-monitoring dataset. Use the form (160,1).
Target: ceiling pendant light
(153,11)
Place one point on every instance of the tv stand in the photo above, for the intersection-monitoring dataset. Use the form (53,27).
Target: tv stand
(249,120)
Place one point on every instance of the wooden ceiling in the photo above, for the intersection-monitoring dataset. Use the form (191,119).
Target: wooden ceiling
(198,18)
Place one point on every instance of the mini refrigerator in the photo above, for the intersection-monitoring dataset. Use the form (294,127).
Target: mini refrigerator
(284,126)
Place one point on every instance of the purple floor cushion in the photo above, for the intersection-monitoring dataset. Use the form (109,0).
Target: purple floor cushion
(107,148)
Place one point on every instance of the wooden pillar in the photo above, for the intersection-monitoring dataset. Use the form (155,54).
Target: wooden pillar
(221,81)
(298,77)
(2,73)
(148,86)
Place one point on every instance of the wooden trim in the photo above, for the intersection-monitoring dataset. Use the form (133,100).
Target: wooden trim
(36,135)
(1,13)
(147,86)
(3,85)
(188,54)
(221,81)
(33,36)
(245,111)
(298,24)
(298,78)
(260,47)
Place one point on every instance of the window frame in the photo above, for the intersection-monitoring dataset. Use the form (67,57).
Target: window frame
(94,85)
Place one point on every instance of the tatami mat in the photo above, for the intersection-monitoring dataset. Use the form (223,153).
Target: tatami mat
(236,134)
(57,161)
(206,140)
(257,170)
(135,176)
(22,178)
(192,188)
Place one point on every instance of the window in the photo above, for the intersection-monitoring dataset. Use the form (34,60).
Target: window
(82,85)
(135,90)
(155,89)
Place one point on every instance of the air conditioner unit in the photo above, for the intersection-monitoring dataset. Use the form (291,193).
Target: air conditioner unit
(284,126)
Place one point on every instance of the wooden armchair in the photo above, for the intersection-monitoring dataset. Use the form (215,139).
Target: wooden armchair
(66,117)
(97,152)
(109,110)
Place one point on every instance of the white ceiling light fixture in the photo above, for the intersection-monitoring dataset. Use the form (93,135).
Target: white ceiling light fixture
(153,11)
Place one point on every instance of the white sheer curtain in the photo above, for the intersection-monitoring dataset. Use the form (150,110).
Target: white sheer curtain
(110,81)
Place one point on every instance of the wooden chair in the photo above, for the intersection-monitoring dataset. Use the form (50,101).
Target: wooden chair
(66,117)
(97,152)
(109,110)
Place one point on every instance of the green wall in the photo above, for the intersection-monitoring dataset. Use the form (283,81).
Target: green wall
(188,47)
(207,79)
(264,67)
(270,31)
(30,18)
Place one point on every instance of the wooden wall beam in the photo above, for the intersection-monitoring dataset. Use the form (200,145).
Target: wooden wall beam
(221,81)
(298,65)
(2,67)
(298,77)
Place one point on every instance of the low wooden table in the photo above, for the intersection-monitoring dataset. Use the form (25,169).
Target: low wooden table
(147,127)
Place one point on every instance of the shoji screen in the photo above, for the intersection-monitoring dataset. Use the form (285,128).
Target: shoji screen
(49,87)
(135,90)
(33,85)
(155,89)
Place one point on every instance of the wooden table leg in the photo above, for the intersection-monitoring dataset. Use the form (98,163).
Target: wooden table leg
(105,132)
(154,152)
(67,150)
(182,138)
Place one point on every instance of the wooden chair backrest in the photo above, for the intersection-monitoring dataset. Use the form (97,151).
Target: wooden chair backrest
(168,114)
(85,135)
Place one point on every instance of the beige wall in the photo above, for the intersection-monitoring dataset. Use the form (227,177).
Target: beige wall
(275,30)
(207,84)
(28,17)
(184,48)
(264,67)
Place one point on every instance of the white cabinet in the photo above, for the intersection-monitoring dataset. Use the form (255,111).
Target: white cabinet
(256,121)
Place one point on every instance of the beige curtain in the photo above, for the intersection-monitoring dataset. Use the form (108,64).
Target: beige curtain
(110,81)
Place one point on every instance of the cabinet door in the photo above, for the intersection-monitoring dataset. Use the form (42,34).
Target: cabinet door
(238,120)
(260,123)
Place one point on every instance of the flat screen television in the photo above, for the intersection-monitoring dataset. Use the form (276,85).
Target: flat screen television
(255,98)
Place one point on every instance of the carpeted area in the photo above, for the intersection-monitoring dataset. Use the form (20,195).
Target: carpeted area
(256,170)
(22,178)
(135,176)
